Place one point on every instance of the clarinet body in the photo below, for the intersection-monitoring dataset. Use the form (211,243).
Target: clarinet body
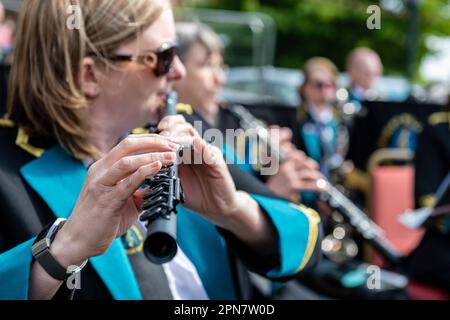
(367,228)
(359,220)
(160,207)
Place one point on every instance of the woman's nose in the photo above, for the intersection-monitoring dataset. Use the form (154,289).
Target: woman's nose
(178,70)
(219,79)
(220,75)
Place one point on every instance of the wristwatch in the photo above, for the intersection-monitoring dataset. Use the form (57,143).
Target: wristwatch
(41,253)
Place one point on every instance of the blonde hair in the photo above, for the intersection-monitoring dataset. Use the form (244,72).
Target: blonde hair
(322,64)
(45,98)
(317,64)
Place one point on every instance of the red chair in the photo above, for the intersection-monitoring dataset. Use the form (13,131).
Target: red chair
(419,291)
(392,194)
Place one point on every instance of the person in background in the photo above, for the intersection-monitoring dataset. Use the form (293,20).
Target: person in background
(364,69)
(201,50)
(6,37)
(432,182)
(432,157)
(317,130)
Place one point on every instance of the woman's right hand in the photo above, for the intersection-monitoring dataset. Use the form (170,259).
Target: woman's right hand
(107,205)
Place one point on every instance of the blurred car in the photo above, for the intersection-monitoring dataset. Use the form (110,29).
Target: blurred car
(263,84)
(271,85)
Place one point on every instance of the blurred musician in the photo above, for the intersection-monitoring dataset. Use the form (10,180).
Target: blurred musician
(364,68)
(429,263)
(6,36)
(317,129)
(432,160)
(201,51)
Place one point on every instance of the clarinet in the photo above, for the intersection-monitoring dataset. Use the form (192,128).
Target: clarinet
(160,207)
(368,229)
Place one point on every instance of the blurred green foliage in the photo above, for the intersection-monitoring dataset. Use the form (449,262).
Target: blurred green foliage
(331,28)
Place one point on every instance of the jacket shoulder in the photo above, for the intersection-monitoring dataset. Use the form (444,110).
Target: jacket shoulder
(439,118)
(13,157)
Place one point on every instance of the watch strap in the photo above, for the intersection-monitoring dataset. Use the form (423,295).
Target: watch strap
(41,252)
(42,255)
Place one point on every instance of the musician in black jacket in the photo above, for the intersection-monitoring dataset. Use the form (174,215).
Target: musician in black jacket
(432,158)
(74,95)
(432,163)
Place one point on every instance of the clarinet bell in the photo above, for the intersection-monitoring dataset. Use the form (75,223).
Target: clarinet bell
(160,245)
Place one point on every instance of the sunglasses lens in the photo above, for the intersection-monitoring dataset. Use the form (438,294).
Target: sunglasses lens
(322,85)
(165,60)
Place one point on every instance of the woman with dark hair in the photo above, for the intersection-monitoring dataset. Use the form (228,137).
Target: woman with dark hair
(201,50)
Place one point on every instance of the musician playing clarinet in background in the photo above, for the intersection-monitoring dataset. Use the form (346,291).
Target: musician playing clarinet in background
(201,50)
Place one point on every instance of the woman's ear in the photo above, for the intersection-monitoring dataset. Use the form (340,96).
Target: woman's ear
(88,78)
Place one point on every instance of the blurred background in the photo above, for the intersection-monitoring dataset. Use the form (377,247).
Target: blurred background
(271,39)
(267,42)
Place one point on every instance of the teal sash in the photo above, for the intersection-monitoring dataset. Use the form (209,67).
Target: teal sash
(58,179)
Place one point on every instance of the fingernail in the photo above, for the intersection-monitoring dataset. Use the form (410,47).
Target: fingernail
(196,145)
(174,146)
(170,156)
(157,165)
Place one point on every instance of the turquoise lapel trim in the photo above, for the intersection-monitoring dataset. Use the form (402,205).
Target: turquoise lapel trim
(58,179)
(312,141)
